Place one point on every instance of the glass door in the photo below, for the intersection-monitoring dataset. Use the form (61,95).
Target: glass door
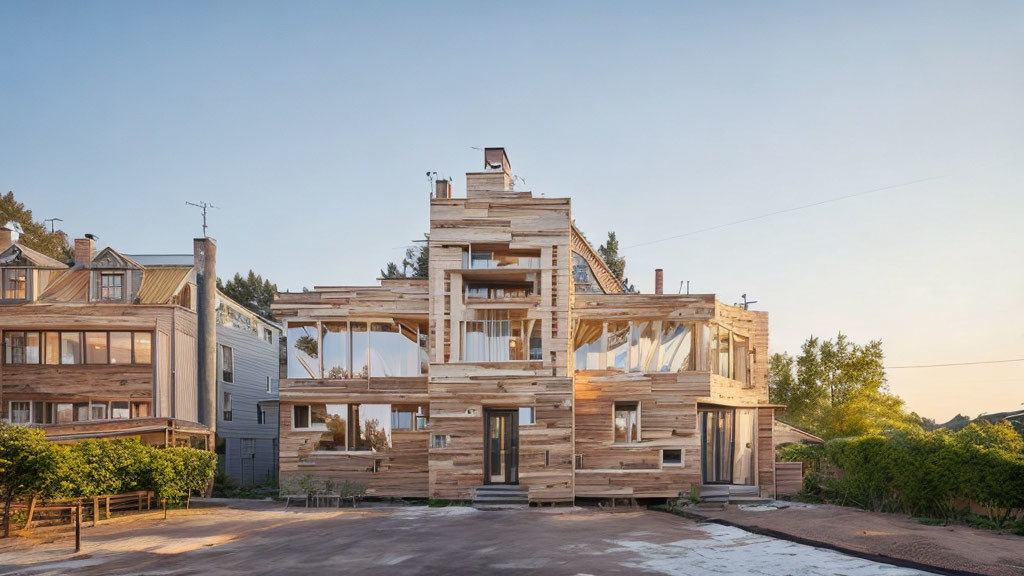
(717,446)
(501,447)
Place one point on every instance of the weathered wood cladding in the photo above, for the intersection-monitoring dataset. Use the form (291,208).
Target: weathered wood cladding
(155,382)
(393,298)
(461,392)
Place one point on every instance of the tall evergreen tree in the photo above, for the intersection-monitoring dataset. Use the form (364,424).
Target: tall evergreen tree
(251,291)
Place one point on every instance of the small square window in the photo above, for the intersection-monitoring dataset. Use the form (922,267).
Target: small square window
(439,441)
(112,286)
(672,457)
(527,416)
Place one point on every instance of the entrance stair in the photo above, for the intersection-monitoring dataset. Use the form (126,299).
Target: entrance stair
(731,494)
(501,497)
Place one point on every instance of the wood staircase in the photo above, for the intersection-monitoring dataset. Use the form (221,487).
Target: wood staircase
(501,497)
(731,494)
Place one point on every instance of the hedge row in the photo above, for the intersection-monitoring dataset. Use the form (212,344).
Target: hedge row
(30,465)
(920,473)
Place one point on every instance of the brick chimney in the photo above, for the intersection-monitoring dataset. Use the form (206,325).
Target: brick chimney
(496,177)
(85,251)
(659,281)
(442,188)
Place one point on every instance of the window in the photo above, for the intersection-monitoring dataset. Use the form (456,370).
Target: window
(502,259)
(352,427)
(360,350)
(227,364)
(120,347)
(676,347)
(740,353)
(495,336)
(226,406)
(637,346)
(617,335)
(98,412)
(672,457)
(15,284)
(408,418)
(21,412)
(96,348)
(527,415)
(64,413)
(300,417)
(111,286)
(268,335)
(439,440)
(588,337)
(70,348)
(140,409)
(303,350)
(627,422)
(499,291)
(336,349)
(142,350)
(270,385)
(21,347)
(394,351)
(261,415)
(119,410)
(51,347)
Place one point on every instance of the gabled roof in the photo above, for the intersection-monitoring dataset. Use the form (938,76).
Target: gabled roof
(31,257)
(110,258)
(160,285)
(602,273)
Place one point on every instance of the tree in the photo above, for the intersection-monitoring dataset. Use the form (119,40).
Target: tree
(837,388)
(34,234)
(610,254)
(416,264)
(253,292)
(29,465)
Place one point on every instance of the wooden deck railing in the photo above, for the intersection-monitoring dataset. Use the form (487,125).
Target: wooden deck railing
(94,508)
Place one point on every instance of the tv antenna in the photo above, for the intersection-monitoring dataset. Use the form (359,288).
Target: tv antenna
(203,206)
(431,176)
(747,303)
(51,221)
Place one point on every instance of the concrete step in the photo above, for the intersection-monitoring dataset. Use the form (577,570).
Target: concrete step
(501,497)
(500,506)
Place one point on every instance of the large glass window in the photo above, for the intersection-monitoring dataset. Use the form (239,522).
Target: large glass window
(589,339)
(143,351)
(14,347)
(627,422)
(357,427)
(374,432)
(393,350)
(51,347)
(360,349)
(96,348)
(617,334)
(336,349)
(70,348)
(676,347)
(495,336)
(15,284)
(120,347)
(721,351)
(303,350)
(740,354)
(502,259)
(120,410)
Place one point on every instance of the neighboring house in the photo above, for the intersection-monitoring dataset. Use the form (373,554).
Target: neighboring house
(247,373)
(106,347)
(521,361)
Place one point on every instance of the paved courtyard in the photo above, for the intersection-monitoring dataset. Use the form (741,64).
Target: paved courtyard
(261,538)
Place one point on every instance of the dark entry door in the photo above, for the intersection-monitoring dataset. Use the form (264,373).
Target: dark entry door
(501,447)
(717,445)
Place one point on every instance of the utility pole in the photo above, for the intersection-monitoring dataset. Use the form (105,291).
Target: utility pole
(51,221)
(203,206)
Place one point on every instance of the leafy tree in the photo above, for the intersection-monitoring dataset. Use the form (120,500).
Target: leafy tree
(252,291)
(29,465)
(35,234)
(610,254)
(837,388)
(392,271)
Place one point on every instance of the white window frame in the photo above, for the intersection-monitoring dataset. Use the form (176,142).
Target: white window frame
(311,427)
(682,458)
(220,363)
(10,411)
(639,423)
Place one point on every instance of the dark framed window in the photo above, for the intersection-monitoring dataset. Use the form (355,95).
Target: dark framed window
(112,286)
(672,457)
(227,364)
(300,417)
(15,284)
(227,407)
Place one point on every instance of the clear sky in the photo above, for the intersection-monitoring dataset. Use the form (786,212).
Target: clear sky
(312,126)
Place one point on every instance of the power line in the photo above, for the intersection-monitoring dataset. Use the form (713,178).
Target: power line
(784,211)
(957,364)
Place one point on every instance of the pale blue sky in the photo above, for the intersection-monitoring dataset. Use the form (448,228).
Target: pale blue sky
(312,125)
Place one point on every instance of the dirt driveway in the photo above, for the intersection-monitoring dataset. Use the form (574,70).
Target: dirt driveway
(260,538)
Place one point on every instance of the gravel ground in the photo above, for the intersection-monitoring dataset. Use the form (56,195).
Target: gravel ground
(946,548)
(259,538)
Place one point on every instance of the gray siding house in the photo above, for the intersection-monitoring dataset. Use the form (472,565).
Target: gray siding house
(247,378)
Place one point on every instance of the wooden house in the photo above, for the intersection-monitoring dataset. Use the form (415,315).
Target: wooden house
(109,346)
(521,362)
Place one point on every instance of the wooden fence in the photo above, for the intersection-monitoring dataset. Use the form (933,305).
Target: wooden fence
(789,478)
(95,508)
